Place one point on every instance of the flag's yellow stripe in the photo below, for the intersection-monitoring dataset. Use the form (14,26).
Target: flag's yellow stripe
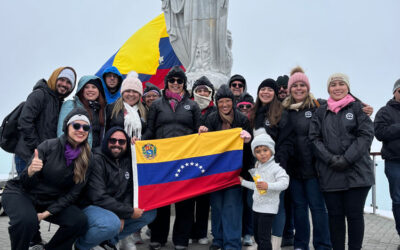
(141,52)
(189,146)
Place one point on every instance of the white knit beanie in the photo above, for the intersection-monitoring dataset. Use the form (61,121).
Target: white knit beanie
(339,77)
(132,82)
(69,74)
(396,86)
(261,138)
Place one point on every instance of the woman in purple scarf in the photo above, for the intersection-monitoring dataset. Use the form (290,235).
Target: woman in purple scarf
(48,188)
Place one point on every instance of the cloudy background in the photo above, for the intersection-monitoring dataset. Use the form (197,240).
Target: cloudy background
(359,38)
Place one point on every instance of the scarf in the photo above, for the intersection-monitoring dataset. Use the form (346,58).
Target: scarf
(71,153)
(226,120)
(132,122)
(336,106)
(173,99)
(202,101)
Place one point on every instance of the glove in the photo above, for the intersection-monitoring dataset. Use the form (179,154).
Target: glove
(338,163)
(246,136)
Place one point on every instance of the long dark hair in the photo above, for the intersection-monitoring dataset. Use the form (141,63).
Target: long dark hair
(101,101)
(273,113)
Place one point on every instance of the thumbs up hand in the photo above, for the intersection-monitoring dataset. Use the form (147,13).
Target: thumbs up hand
(36,164)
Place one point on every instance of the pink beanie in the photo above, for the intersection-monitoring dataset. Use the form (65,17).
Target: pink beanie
(298,77)
(132,82)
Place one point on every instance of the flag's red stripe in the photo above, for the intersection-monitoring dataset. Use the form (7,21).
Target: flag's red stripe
(159,195)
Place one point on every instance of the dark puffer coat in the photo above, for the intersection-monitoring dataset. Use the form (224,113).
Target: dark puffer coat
(387,130)
(38,120)
(348,133)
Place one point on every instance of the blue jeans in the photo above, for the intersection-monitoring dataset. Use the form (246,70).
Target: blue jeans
(392,171)
(248,226)
(306,194)
(280,218)
(226,217)
(20,164)
(104,225)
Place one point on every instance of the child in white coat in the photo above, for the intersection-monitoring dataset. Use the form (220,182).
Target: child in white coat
(270,180)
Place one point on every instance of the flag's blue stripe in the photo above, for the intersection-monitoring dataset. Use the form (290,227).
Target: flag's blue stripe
(169,59)
(108,64)
(157,173)
(144,77)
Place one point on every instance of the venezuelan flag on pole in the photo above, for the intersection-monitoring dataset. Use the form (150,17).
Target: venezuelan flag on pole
(178,168)
(148,52)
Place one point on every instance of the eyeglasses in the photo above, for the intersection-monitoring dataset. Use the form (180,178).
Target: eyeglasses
(178,80)
(237,85)
(112,75)
(78,126)
(113,141)
(242,106)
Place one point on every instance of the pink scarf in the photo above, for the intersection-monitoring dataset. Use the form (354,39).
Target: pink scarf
(173,98)
(336,106)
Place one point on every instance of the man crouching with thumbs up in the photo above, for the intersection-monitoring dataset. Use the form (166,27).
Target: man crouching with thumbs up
(109,196)
(50,185)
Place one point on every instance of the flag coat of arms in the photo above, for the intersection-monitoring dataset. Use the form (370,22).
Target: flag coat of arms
(169,170)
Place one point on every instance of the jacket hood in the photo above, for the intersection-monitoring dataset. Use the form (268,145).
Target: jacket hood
(111,97)
(75,111)
(392,102)
(224,92)
(203,81)
(104,143)
(54,76)
(90,79)
(175,71)
(240,78)
(42,84)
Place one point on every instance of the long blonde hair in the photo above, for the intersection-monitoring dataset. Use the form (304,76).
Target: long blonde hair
(82,162)
(119,105)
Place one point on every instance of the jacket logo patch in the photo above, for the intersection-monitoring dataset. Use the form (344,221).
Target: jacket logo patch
(149,151)
(267,123)
(187,107)
(349,116)
(308,114)
(127,175)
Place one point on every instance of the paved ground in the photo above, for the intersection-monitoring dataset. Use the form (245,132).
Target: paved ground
(380,234)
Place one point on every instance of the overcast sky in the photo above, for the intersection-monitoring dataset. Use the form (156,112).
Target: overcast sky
(359,38)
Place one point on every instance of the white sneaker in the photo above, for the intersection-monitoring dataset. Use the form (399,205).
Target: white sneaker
(247,241)
(203,241)
(127,244)
(137,238)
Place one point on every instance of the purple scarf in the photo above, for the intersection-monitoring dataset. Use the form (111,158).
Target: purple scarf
(70,153)
(173,98)
(336,106)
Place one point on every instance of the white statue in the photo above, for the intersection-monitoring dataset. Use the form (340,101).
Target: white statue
(199,36)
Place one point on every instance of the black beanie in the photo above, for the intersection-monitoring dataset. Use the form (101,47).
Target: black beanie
(282,81)
(224,92)
(239,78)
(175,71)
(268,83)
(150,87)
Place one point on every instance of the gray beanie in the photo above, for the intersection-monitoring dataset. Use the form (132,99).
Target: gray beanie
(396,86)
(261,138)
(69,74)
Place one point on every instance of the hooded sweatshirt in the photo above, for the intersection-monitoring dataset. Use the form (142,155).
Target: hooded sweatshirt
(75,102)
(111,97)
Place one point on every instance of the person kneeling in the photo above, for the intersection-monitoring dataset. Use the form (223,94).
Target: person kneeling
(109,194)
(269,180)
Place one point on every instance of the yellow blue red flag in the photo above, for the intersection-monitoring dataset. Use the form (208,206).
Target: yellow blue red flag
(148,52)
(178,168)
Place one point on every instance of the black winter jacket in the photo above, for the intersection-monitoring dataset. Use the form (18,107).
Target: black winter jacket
(282,134)
(163,122)
(52,188)
(110,185)
(38,120)
(301,164)
(214,123)
(348,133)
(387,130)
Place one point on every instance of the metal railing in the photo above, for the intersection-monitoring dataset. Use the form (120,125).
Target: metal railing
(373,194)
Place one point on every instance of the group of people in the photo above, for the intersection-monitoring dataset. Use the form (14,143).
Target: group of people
(300,154)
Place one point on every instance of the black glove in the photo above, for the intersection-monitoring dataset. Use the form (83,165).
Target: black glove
(338,163)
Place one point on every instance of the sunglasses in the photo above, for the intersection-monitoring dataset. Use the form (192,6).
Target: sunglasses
(237,85)
(282,86)
(113,141)
(172,80)
(78,126)
(242,106)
